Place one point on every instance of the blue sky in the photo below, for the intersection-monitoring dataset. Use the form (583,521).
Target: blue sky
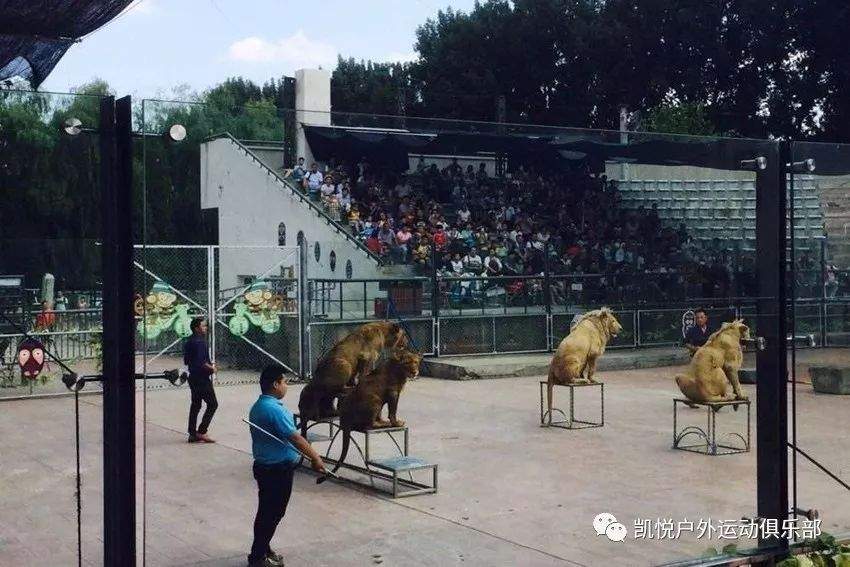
(157,45)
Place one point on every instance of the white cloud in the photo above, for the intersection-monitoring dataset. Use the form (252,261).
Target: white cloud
(297,50)
(399,57)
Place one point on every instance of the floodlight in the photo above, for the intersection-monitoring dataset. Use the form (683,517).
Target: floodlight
(72,126)
(805,166)
(757,164)
(177,133)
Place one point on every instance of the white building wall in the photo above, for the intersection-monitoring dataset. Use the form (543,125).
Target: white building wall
(251,204)
(313,106)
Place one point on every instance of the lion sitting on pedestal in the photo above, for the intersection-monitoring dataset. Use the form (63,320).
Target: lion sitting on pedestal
(575,360)
(715,365)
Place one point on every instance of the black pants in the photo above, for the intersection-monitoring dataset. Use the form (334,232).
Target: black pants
(274,483)
(202,391)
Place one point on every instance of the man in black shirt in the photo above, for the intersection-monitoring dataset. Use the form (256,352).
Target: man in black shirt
(699,333)
(196,355)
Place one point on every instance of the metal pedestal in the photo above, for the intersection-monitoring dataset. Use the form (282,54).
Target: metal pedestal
(569,421)
(708,444)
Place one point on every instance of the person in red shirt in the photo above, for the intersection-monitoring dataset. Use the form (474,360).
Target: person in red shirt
(46,317)
(440,237)
(373,244)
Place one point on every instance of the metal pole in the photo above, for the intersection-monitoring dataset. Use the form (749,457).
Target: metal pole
(212,307)
(435,302)
(793,326)
(119,440)
(547,294)
(772,362)
(823,290)
(303,309)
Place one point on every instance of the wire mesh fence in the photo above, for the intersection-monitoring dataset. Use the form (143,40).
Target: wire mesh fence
(249,295)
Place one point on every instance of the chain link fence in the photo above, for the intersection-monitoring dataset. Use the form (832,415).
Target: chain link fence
(249,295)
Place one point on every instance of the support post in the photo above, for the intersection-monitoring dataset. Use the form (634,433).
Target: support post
(547,295)
(771,362)
(303,310)
(119,450)
(435,299)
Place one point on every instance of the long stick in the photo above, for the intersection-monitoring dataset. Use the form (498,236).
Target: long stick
(319,480)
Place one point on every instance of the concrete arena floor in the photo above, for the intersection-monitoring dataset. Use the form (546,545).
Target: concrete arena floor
(511,493)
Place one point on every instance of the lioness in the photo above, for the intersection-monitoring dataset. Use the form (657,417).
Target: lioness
(716,364)
(575,359)
(361,409)
(347,362)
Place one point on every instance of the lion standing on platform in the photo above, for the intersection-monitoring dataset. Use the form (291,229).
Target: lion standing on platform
(350,360)
(575,360)
(715,365)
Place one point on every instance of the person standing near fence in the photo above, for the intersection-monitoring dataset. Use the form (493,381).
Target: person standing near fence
(697,335)
(196,356)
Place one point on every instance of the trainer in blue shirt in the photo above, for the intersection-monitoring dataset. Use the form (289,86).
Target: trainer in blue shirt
(271,415)
(274,461)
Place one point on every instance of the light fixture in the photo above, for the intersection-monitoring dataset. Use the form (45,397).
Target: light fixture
(177,133)
(72,126)
(805,166)
(757,164)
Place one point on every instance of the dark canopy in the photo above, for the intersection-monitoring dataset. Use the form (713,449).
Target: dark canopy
(592,147)
(35,35)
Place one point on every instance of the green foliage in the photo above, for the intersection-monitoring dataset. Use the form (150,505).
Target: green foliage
(745,70)
(825,552)
(49,182)
(687,118)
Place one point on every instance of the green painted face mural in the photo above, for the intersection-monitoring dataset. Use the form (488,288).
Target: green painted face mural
(160,312)
(259,307)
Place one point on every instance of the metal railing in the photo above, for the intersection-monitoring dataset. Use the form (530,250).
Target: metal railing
(526,314)
(299,194)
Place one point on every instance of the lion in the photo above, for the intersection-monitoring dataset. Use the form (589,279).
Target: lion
(575,360)
(716,364)
(361,409)
(347,362)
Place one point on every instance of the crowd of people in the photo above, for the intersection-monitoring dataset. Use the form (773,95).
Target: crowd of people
(478,226)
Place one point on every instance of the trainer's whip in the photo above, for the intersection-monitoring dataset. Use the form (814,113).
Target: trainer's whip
(321,478)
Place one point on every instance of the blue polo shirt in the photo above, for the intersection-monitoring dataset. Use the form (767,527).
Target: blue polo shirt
(274,417)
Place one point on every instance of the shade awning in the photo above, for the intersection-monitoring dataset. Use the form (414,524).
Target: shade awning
(35,35)
(595,147)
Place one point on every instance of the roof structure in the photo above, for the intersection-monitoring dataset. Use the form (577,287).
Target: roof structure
(35,35)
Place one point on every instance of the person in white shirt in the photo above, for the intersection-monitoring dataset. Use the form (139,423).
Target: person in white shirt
(492,264)
(457,265)
(314,179)
(328,188)
(472,261)
(464,214)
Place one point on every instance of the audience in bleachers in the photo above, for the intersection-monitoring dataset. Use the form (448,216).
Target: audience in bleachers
(481,226)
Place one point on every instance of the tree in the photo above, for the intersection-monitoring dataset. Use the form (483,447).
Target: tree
(755,70)
(678,118)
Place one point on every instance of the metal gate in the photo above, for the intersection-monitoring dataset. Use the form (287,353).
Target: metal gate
(250,295)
